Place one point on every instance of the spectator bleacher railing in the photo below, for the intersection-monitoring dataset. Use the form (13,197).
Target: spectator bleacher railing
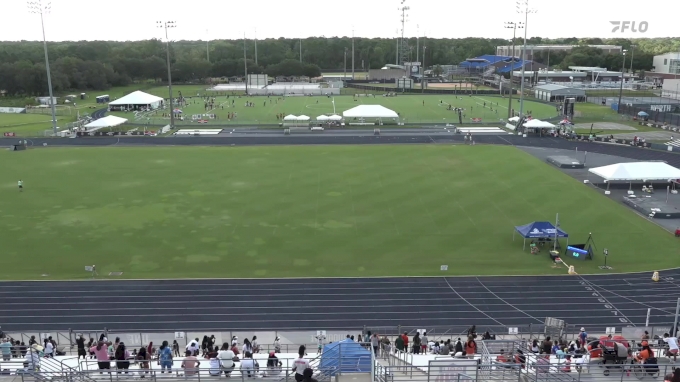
(453,332)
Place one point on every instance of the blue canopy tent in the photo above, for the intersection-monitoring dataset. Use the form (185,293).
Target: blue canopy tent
(345,356)
(539,230)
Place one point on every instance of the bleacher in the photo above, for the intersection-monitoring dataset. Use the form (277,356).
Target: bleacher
(388,365)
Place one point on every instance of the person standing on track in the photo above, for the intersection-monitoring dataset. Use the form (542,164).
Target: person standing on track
(21,185)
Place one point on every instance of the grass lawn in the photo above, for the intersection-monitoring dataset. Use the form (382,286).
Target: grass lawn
(36,124)
(410,107)
(301,211)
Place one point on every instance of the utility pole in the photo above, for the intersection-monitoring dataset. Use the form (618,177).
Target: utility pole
(344,77)
(167,25)
(255,46)
(300,49)
(417,43)
(632,55)
(207,44)
(514,26)
(623,69)
(396,62)
(37,7)
(245,61)
(523,7)
(352,53)
(422,79)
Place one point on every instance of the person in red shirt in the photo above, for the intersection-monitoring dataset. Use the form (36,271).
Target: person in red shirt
(405,338)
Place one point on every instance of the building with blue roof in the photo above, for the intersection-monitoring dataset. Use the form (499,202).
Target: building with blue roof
(493,64)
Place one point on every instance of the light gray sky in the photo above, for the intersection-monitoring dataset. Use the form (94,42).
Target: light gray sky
(229,19)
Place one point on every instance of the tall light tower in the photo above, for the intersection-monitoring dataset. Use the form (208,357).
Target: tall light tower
(207,43)
(403,46)
(514,26)
(352,53)
(523,7)
(167,25)
(623,69)
(40,8)
(255,46)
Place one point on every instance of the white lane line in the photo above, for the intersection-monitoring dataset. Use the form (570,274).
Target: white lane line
(467,302)
(507,303)
(630,299)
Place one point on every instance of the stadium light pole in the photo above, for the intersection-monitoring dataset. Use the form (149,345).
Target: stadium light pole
(422,79)
(523,7)
(167,25)
(352,53)
(344,77)
(207,43)
(623,69)
(632,56)
(37,7)
(514,26)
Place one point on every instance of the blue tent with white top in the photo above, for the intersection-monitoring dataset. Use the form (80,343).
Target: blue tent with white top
(539,230)
(344,357)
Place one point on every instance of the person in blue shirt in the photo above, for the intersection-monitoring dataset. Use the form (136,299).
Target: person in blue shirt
(165,357)
(6,348)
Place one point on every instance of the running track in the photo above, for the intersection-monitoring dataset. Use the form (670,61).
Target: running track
(314,304)
(339,303)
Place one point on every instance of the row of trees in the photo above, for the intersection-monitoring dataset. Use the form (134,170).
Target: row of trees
(98,65)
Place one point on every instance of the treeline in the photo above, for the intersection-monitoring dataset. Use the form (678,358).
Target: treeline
(99,65)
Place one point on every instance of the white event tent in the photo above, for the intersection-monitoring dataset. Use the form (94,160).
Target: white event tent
(335,117)
(137,100)
(290,117)
(303,118)
(322,118)
(538,124)
(637,171)
(370,111)
(101,123)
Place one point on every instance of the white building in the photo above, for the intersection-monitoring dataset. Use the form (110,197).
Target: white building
(668,63)
(531,49)
(671,89)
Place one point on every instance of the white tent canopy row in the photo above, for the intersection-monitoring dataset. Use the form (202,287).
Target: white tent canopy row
(108,121)
(138,98)
(637,171)
(370,111)
(538,124)
(333,117)
(292,117)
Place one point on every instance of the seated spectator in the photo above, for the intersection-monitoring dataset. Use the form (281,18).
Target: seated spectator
(444,348)
(212,352)
(502,357)
(143,357)
(249,367)
(194,347)
(215,367)
(227,358)
(308,376)
(234,348)
(190,364)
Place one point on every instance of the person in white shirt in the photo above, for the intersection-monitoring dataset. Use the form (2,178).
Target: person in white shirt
(49,350)
(249,366)
(226,357)
(215,367)
(234,340)
(300,364)
(193,347)
(247,347)
(672,346)
(277,345)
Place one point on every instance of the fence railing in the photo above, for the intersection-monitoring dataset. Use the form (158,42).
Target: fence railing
(452,332)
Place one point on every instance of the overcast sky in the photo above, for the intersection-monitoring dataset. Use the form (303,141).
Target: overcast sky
(230,19)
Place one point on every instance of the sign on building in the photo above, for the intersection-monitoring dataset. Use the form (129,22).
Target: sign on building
(12,110)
